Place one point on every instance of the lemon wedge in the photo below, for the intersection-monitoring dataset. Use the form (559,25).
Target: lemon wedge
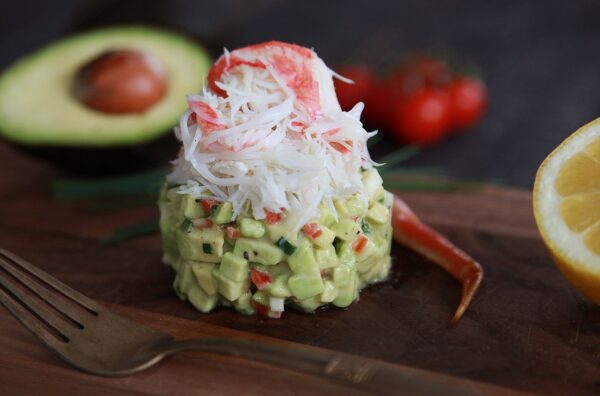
(566,204)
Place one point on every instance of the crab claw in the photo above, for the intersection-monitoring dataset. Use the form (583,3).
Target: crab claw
(412,233)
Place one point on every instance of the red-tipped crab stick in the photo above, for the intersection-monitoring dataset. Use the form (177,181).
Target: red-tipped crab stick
(412,233)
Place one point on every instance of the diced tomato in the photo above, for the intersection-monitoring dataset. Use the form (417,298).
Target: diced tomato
(233,232)
(272,217)
(359,243)
(265,310)
(207,204)
(261,280)
(341,147)
(312,230)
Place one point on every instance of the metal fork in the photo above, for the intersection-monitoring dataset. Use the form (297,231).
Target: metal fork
(96,340)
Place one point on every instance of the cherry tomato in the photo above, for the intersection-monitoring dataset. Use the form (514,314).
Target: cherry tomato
(424,117)
(468,100)
(349,94)
(432,70)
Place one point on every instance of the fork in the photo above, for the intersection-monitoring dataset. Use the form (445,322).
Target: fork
(94,339)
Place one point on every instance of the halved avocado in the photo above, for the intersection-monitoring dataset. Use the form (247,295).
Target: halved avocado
(40,110)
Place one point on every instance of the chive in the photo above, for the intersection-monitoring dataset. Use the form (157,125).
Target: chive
(118,204)
(130,232)
(430,185)
(206,248)
(187,225)
(398,156)
(286,246)
(139,183)
(213,210)
(366,227)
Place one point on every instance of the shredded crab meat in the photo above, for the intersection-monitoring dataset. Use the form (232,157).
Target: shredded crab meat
(267,133)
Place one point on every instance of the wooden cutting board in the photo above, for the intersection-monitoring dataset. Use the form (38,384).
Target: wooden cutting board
(527,329)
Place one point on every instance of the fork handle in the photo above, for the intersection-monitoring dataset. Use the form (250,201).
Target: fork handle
(356,371)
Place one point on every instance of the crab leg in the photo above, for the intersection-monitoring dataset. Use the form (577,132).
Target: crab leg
(412,233)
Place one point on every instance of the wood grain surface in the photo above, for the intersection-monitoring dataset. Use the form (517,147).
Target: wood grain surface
(527,328)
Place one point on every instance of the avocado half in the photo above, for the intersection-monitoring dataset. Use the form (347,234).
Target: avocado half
(39,111)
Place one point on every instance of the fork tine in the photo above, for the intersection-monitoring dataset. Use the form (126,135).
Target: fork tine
(40,310)
(31,322)
(53,282)
(50,296)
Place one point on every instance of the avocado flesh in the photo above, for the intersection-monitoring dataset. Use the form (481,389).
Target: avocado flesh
(320,271)
(38,108)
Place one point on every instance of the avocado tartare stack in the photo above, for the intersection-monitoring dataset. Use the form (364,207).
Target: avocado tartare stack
(273,199)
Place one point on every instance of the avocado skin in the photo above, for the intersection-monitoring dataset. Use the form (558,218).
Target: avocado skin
(105,161)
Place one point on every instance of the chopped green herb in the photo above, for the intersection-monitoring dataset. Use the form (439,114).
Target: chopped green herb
(366,227)
(130,232)
(381,200)
(206,248)
(337,242)
(286,246)
(187,225)
(213,210)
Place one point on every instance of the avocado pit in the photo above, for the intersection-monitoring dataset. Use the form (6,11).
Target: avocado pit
(121,82)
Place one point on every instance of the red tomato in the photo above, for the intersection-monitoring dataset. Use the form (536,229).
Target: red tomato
(233,233)
(359,243)
(423,117)
(432,70)
(468,101)
(272,217)
(312,230)
(207,205)
(349,94)
(260,279)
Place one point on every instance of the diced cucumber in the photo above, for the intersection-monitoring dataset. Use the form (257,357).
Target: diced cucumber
(190,208)
(346,229)
(378,271)
(341,276)
(340,207)
(260,251)
(261,297)
(349,293)
(326,238)
(326,257)
(367,256)
(378,213)
(193,245)
(303,259)
(252,228)
(329,292)
(346,255)
(185,278)
(305,285)
(279,286)
(373,184)
(223,214)
(203,274)
(234,267)
(308,304)
(228,288)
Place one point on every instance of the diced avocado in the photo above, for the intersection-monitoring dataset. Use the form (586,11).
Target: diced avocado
(234,267)
(228,288)
(326,238)
(356,206)
(346,229)
(340,207)
(260,251)
(303,260)
(326,257)
(244,303)
(378,271)
(261,297)
(367,256)
(203,273)
(373,184)
(281,229)
(193,245)
(327,218)
(349,293)
(223,214)
(171,194)
(185,278)
(199,299)
(308,304)
(279,286)
(346,255)
(305,285)
(329,292)
(378,213)
(252,228)
(190,208)
(341,276)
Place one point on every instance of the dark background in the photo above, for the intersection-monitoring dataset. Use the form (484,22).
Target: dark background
(540,59)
